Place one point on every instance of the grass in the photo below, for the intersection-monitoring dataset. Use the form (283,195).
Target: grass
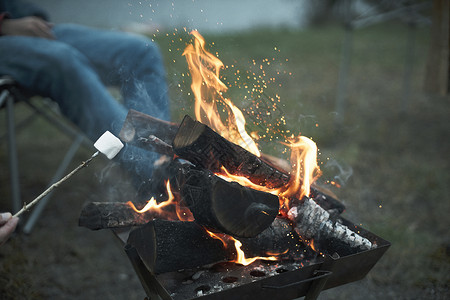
(398,160)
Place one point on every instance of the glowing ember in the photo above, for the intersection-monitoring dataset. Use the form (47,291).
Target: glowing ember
(311,244)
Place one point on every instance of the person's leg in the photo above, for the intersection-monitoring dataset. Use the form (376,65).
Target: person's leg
(133,63)
(130,61)
(57,70)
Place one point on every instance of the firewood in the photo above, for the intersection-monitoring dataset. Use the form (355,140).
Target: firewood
(313,223)
(326,201)
(279,237)
(205,148)
(167,246)
(227,206)
(156,135)
(220,205)
(102,215)
(147,132)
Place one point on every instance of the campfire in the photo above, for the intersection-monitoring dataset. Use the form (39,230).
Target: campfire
(228,221)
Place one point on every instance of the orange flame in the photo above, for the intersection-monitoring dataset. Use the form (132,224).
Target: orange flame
(311,244)
(304,167)
(244,181)
(219,236)
(304,172)
(151,206)
(208,90)
(240,258)
(181,213)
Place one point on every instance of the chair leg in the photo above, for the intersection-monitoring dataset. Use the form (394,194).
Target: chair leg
(34,216)
(12,150)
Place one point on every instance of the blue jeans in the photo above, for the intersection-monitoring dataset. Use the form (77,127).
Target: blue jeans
(74,71)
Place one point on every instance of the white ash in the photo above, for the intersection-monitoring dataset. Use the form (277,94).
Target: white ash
(313,222)
(197,275)
(109,145)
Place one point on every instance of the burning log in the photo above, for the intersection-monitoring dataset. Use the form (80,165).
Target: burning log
(168,246)
(173,245)
(215,203)
(102,215)
(205,148)
(156,135)
(279,237)
(314,223)
(147,132)
(227,206)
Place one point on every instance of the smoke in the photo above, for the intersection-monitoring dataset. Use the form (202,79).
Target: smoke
(103,175)
(139,94)
(133,166)
(144,89)
(343,172)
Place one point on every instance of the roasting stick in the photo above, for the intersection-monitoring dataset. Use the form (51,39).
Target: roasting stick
(108,144)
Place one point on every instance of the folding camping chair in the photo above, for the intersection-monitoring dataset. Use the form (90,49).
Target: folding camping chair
(10,94)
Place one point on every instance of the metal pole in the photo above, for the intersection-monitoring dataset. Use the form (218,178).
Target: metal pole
(341,101)
(409,64)
(12,150)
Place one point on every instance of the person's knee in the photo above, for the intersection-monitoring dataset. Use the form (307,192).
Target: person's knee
(64,59)
(146,50)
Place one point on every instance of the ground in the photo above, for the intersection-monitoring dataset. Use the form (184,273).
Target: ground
(389,156)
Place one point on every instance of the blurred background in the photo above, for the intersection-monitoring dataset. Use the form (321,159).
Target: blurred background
(368,81)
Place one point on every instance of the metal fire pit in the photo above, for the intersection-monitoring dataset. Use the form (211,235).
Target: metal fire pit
(307,276)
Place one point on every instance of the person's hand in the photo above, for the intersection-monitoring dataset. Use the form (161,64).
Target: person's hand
(8,224)
(28,26)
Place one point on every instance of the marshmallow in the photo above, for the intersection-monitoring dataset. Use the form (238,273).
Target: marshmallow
(108,144)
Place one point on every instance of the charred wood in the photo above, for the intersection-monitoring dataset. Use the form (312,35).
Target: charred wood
(102,215)
(314,223)
(167,246)
(228,206)
(324,200)
(175,171)
(147,132)
(205,148)
(156,135)
(278,238)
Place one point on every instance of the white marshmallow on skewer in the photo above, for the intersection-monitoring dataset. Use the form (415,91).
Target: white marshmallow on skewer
(109,145)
